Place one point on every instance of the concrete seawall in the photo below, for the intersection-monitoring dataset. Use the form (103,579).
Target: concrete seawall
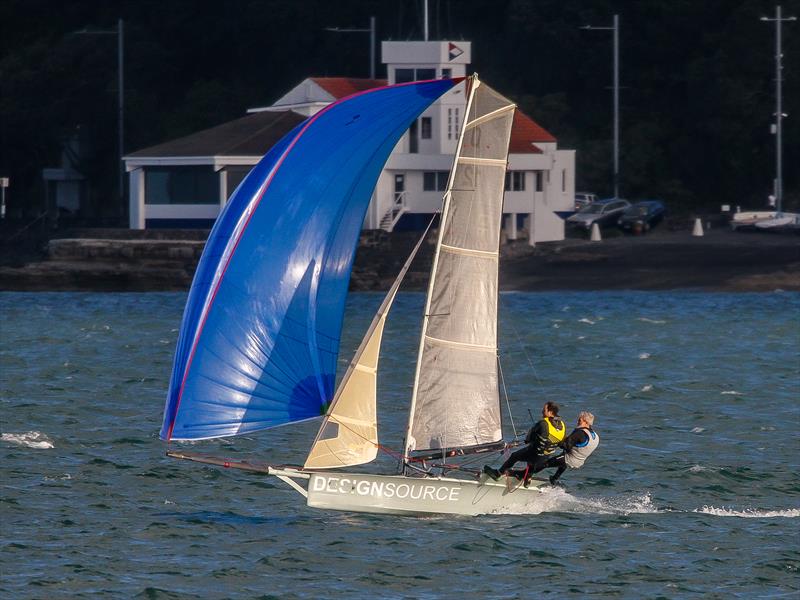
(165,261)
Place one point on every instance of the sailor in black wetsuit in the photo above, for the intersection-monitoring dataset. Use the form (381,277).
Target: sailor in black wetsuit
(542,440)
(577,447)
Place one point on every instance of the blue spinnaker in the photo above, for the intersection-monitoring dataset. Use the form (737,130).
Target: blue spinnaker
(259,340)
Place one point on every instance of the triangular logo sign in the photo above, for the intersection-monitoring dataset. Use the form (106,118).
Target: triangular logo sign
(454,51)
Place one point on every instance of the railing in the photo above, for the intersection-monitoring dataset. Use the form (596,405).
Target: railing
(395,212)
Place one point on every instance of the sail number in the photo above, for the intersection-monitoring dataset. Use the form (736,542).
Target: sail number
(384,489)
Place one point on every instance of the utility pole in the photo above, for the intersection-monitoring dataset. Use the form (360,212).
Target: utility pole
(371,31)
(778,107)
(615,61)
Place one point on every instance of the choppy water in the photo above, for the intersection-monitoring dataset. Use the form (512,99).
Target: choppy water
(694,490)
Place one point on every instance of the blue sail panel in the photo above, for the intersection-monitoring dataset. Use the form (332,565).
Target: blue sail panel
(259,340)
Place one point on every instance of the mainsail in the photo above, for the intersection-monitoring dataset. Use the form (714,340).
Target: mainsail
(456,402)
(260,334)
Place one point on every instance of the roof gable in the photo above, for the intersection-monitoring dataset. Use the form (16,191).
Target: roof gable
(340,87)
(525,133)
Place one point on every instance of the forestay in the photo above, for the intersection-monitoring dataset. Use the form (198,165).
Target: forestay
(259,339)
(456,401)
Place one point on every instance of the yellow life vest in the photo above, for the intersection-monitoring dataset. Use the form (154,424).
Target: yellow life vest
(554,436)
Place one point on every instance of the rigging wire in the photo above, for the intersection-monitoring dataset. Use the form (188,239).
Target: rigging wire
(505,393)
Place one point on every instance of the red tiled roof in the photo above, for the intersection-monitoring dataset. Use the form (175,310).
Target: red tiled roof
(339,87)
(525,132)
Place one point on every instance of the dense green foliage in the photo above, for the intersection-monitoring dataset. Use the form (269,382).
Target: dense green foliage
(696,105)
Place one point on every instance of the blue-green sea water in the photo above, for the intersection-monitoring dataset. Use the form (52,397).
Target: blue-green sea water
(693,492)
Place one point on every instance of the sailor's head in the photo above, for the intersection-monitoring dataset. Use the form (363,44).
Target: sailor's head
(585,419)
(550,409)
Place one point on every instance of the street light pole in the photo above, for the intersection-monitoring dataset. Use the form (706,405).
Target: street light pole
(120,33)
(371,31)
(778,107)
(615,59)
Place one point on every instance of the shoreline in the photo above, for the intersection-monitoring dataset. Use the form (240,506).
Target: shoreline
(721,260)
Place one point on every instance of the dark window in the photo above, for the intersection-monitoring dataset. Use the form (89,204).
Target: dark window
(425,130)
(447,73)
(539,177)
(413,138)
(515,181)
(425,74)
(434,181)
(181,185)
(403,75)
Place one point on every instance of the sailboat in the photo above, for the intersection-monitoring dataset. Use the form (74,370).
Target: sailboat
(259,339)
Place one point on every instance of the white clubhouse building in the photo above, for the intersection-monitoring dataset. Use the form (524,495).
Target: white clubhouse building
(185,182)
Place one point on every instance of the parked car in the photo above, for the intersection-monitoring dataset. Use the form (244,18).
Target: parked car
(584,199)
(602,212)
(642,216)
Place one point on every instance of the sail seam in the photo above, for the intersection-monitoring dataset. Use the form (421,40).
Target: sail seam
(365,369)
(465,345)
(470,252)
(489,116)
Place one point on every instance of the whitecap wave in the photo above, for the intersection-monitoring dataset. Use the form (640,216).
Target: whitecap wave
(646,388)
(731,393)
(654,321)
(749,513)
(699,469)
(587,321)
(29,439)
(644,356)
(698,429)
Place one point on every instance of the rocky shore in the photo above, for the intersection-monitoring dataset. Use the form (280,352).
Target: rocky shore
(721,260)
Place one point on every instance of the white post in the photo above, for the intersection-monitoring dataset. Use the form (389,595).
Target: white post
(511,226)
(596,237)
(136,217)
(698,228)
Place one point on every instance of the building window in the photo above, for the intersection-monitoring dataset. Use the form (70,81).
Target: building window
(449,123)
(181,185)
(447,73)
(413,138)
(434,181)
(539,181)
(515,181)
(426,128)
(403,75)
(563,180)
(425,74)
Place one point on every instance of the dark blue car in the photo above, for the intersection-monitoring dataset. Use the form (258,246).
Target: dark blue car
(642,216)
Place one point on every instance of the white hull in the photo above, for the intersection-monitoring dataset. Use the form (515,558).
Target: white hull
(396,494)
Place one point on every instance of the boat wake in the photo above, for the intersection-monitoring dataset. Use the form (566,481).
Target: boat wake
(749,513)
(29,439)
(558,500)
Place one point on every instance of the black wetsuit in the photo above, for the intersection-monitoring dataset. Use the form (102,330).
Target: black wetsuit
(576,438)
(533,453)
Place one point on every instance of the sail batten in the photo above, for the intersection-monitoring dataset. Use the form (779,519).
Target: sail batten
(456,400)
